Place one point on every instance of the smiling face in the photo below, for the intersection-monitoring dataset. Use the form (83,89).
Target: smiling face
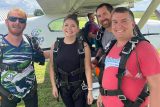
(16,21)
(104,17)
(70,28)
(122,25)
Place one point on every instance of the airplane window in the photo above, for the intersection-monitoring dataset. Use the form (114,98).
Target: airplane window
(56,25)
(82,21)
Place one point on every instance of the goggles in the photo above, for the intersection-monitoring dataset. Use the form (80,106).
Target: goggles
(14,19)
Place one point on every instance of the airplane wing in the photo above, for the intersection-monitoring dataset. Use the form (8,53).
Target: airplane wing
(151,8)
(51,7)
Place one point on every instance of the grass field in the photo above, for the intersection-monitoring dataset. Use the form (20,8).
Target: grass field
(44,88)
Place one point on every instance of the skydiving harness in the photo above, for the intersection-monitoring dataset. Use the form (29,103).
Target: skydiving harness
(125,53)
(79,71)
(34,46)
(99,36)
(2,45)
(6,67)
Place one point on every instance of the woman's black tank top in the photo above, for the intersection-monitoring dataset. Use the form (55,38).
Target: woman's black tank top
(68,58)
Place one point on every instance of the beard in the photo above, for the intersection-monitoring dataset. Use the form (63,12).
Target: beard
(106,23)
(15,30)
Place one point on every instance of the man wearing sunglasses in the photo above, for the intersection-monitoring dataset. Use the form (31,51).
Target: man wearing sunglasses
(18,80)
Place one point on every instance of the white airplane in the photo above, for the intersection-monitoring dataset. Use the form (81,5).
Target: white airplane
(45,28)
(56,10)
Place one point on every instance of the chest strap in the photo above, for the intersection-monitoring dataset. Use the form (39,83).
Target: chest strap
(128,103)
(2,45)
(9,67)
(64,81)
(99,37)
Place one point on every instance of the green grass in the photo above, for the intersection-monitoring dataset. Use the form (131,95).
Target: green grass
(44,88)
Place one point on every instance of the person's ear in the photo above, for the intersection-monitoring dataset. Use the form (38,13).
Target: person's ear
(6,21)
(134,24)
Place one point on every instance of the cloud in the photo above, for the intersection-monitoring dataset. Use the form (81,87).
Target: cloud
(11,2)
(27,5)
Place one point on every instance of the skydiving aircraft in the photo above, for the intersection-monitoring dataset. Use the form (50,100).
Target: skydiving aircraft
(46,29)
(48,26)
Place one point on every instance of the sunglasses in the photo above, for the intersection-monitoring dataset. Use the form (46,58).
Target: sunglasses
(14,19)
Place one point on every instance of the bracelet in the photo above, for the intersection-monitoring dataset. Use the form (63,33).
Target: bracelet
(90,89)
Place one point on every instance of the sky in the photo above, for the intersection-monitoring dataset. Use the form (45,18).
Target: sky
(30,5)
(27,5)
(142,5)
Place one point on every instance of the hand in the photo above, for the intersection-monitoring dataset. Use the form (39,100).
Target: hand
(99,101)
(55,92)
(93,66)
(90,98)
(94,62)
(38,56)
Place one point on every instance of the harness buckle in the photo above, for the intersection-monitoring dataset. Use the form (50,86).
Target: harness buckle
(84,86)
(80,51)
(55,50)
(140,100)
(122,97)
(103,92)
(106,48)
(59,84)
(98,37)
(133,45)
(99,34)
(126,52)
(10,97)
